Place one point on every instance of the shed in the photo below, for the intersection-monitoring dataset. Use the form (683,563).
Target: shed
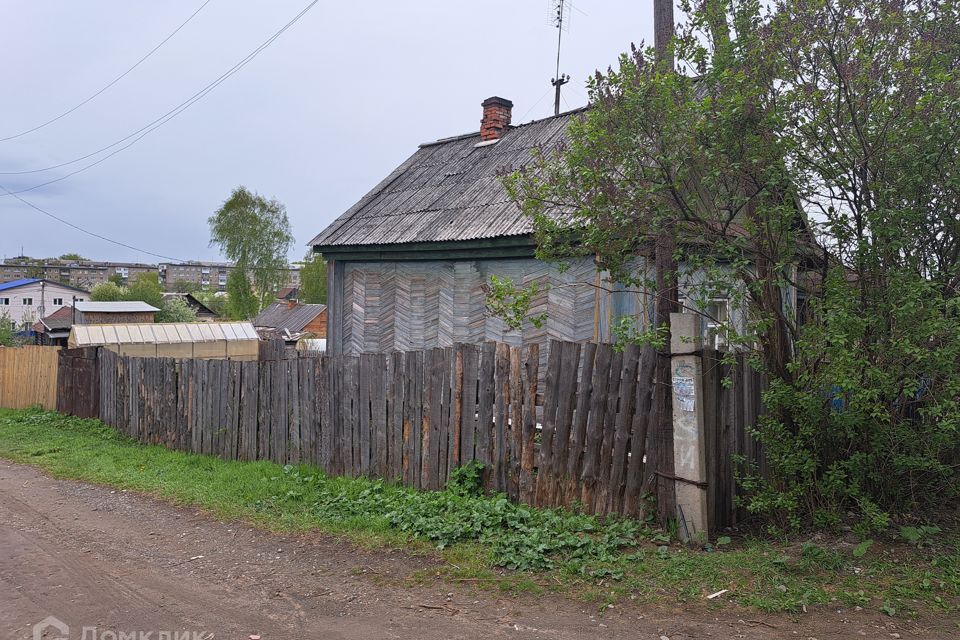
(292,318)
(114,312)
(207,340)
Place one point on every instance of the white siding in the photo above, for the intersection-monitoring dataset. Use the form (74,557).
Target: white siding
(42,295)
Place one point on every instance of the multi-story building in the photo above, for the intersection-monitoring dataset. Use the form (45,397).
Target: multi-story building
(209,276)
(84,274)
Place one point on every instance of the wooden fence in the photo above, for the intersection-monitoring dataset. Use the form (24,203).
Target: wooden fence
(28,377)
(583,435)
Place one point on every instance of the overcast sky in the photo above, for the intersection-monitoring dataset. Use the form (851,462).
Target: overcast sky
(316,120)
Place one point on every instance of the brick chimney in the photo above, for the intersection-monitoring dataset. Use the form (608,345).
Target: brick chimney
(496,118)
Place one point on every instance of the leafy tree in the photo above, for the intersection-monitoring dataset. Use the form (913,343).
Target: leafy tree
(185,286)
(116,279)
(216,301)
(8,337)
(834,120)
(108,292)
(313,279)
(147,289)
(73,257)
(175,309)
(241,302)
(254,233)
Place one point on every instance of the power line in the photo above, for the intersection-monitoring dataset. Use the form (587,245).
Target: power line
(82,230)
(162,120)
(112,82)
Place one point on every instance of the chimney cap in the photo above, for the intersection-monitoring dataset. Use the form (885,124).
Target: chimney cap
(496,100)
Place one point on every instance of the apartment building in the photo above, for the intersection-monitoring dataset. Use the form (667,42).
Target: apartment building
(209,276)
(85,274)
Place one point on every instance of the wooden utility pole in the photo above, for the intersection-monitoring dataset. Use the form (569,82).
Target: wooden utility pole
(663,30)
(667,293)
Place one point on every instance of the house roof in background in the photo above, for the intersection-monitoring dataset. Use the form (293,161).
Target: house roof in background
(448,190)
(60,319)
(288,293)
(193,302)
(115,307)
(13,284)
(281,315)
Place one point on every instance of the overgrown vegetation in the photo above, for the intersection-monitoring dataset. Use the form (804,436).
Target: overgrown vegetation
(254,233)
(146,288)
(313,279)
(804,158)
(486,541)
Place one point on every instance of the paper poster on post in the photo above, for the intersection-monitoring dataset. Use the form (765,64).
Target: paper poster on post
(685,392)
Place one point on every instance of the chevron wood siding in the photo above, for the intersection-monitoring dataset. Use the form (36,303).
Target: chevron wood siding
(399,306)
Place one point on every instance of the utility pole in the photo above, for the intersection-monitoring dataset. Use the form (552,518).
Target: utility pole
(666,303)
(561,79)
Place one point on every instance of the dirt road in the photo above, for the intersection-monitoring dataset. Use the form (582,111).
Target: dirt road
(120,562)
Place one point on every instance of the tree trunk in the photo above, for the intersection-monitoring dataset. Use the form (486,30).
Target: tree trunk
(666,285)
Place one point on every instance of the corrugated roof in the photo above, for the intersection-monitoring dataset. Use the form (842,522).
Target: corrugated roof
(62,318)
(25,281)
(281,315)
(13,284)
(448,190)
(88,335)
(134,306)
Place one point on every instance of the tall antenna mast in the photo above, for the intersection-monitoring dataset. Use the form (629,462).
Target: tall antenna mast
(559,13)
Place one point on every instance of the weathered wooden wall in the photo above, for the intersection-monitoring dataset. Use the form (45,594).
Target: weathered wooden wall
(411,417)
(28,377)
(402,306)
(577,432)
(78,382)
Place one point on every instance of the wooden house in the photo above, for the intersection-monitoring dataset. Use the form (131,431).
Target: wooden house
(410,262)
(409,265)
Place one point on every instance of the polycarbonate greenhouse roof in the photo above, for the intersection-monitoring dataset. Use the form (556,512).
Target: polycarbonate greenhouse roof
(88,335)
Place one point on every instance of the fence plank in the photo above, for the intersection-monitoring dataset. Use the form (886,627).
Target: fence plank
(609,427)
(545,463)
(642,420)
(485,406)
(566,396)
(612,501)
(501,455)
(594,436)
(531,368)
(515,444)
(468,412)
(572,490)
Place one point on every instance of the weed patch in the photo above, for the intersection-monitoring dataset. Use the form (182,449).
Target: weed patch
(487,542)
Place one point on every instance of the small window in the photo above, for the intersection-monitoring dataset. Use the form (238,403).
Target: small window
(79,299)
(28,302)
(5,302)
(715,315)
(58,302)
(718,316)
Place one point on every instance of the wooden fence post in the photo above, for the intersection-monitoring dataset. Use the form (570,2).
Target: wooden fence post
(689,441)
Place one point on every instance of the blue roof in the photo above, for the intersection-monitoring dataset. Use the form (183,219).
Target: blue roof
(13,284)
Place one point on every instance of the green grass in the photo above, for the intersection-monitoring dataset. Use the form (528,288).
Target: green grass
(488,542)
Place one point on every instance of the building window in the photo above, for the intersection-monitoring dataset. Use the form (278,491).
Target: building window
(28,302)
(58,302)
(715,315)
(5,302)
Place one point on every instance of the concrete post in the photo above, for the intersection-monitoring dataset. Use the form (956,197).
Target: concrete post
(689,441)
